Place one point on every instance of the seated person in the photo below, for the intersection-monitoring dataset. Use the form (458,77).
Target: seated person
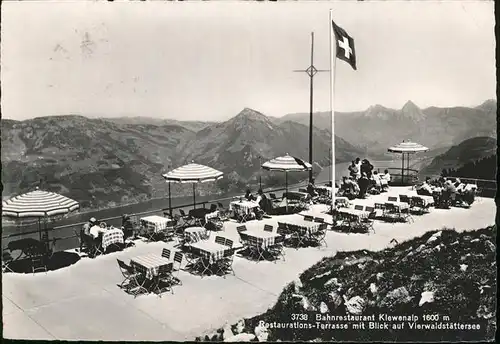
(353,170)
(450,191)
(385,179)
(465,193)
(249,196)
(311,189)
(127,227)
(349,188)
(425,189)
(85,231)
(377,180)
(363,183)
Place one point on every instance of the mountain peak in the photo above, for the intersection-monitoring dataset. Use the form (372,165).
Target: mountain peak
(410,105)
(251,113)
(412,111)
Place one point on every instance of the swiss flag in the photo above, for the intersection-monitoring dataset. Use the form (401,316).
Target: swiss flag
(345,45)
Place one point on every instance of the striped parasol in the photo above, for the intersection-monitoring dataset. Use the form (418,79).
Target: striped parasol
(407,148)
(287,164)
(192,173)
(38,204)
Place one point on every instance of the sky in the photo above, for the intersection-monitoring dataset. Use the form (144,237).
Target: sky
(209,60)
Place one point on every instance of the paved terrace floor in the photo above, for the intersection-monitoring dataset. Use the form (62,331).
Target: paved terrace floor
(83,301)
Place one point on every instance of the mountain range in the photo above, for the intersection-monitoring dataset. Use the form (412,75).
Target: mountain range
(108,162)
(433,127)
(457,156)
(105,162)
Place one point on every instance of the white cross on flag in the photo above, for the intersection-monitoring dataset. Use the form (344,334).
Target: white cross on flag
(345,45)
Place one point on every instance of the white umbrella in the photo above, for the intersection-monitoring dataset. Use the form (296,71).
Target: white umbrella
(407,148)
(287,164)
(192,173)
(38,204)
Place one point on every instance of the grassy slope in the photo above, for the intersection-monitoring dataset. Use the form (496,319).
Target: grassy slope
(417,265)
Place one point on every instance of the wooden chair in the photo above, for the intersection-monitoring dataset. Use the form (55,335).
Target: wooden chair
(163,282)
(319,236)
(225,265)
(358,207)
(241,228)
(165,253)
(228,243)
(308,218)
(319,220)
(187,219)
(220,240)
(178,256)
(134,280)
(276,250)
(268,228)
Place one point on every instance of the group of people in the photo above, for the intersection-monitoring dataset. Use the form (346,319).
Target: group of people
(261,199)
(93,229)
(447,190)
(363,179)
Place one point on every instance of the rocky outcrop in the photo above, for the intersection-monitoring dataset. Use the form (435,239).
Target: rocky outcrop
(448,273)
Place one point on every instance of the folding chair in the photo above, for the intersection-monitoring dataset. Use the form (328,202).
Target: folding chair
(188,220)
(241,228)
(177,259)
(319,236)
(390,212)
(406,199)
(228,243)
(273,196)
(223,212)
(308,218)
(268,228)
(226,263)
(220,240)
(358,207)
(277,248)
(128,274)
(6,260)
(163,282)
(165,253)
(319,220)
(419,206)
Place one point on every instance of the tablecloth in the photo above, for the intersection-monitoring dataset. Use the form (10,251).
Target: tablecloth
(261,238)
(149,264)
(246,206)
(399,205)
(209,250)
(112,236)
(309,226)
(195,234)
(156,223)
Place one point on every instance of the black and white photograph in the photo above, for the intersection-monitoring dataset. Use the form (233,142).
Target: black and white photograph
(236,171)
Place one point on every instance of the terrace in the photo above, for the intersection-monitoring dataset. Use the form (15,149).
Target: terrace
(83,301)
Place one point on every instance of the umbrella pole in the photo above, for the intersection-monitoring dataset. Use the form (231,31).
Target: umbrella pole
(169,201)
(194,196)
(403,169)
(286,190)
(39,230)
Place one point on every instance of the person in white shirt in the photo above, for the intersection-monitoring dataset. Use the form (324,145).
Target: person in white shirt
(377,180)
(425,188)
(358,165)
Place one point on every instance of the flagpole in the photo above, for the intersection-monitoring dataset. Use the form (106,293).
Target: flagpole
(333,59)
